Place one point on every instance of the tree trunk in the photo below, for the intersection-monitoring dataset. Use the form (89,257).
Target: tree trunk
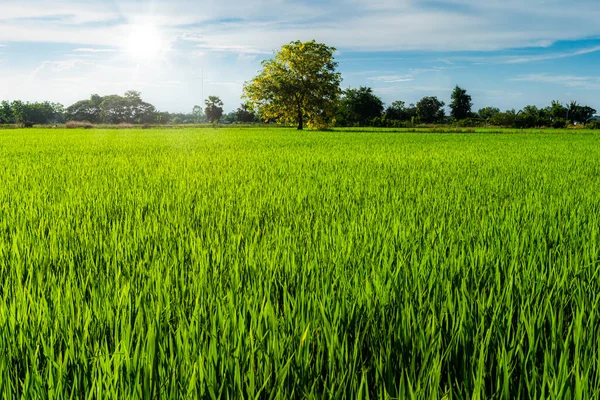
(300,120)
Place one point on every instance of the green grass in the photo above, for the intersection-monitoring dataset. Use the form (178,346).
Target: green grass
(275,264)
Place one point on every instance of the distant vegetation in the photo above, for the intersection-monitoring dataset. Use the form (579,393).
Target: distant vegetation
(115,110)
(301,86)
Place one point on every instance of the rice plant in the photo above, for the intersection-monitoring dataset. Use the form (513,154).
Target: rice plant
(267,263)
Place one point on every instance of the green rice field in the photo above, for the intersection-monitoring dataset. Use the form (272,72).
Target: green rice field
(270,263)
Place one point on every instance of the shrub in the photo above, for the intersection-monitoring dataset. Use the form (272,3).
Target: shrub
(25,124)
(469,123)
(79,124)
(593,125)
(559,123)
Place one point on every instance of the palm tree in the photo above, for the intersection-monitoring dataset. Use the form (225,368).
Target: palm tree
(572,110)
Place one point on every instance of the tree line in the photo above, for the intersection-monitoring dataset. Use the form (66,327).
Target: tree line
(301,85)
(116,109)
(361,107)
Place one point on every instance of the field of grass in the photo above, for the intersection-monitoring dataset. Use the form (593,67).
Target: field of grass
(245,263)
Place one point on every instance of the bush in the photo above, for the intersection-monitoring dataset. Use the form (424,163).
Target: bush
(593,125)
(560,123)
(469,122)
(124,125)
(25,124)
(79,124)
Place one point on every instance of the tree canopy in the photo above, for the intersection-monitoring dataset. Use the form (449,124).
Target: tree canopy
(359,106)
(461,104)
(430,109)
(299,83)
(214,108)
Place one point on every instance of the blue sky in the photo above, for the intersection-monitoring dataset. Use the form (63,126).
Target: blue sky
(506,53)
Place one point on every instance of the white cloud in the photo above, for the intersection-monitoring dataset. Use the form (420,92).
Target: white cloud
(94,50)
(66,12)
(263,25)
(554,56)
(573,81)
(392,78)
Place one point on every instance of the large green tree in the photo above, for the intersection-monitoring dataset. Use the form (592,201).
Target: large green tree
(245,114)
(299,83)
(461,104)
(6,113)
(487,113)
(359,106)
(430,109)
(85,110)
(113,109)
(214,108)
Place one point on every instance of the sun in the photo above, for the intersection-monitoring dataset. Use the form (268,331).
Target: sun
(145,42)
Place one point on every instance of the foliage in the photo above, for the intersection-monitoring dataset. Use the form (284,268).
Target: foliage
(488,113)
(245,114)
(198,114)
(262,263)
(214,109)
(6,113)
(358,107)
(161,118)
(299,83)
(399,112)
(559,123)
(558,111)
(460,106)
(25,113)
(469,122)
(86,110)
(430,110)
(593,125)
(506,119)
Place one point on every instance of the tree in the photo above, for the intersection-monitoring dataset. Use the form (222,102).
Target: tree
(161,117)
(430,110)
(528,117)
(397,111)
(487,113)
(114,109)
(6,113)
(229,118)
(584,113)
(245,114)
(299,83)
(198,114)
(461,104)
(139,111)
(577,113)
(558,111)
(505,119)
(214,109)
(359,106)
(85,110)
(572,110)
(18,111)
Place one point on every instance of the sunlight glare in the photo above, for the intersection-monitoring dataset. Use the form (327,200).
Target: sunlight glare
(145,42)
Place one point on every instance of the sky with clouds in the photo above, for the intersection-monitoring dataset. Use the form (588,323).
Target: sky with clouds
(506,53)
